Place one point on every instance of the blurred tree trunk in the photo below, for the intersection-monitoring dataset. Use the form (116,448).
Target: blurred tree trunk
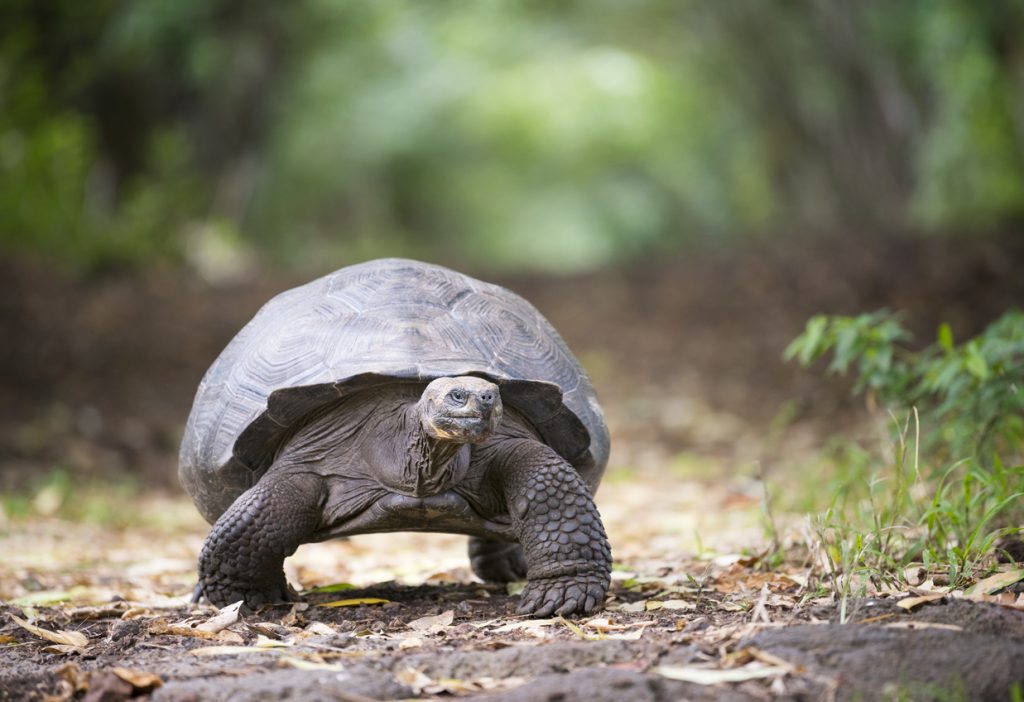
(838,112)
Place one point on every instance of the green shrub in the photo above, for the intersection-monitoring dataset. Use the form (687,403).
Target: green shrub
(970,397)
(952,483)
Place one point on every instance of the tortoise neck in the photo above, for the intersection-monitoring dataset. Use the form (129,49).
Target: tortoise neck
(431,465)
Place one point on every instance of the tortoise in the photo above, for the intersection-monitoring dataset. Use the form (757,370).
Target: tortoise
(396,395)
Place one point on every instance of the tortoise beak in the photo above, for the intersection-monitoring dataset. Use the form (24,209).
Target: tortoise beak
(472,423)
(467,428)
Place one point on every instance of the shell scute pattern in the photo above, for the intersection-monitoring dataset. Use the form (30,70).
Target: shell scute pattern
(520,346)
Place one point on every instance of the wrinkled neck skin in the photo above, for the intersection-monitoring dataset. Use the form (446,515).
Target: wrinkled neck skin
(429,465)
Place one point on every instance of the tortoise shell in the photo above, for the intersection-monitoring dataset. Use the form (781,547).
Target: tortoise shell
(384,321)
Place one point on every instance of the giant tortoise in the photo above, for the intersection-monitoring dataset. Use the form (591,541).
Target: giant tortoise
(390,396)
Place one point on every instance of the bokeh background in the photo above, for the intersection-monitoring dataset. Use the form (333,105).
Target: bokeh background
(676,184)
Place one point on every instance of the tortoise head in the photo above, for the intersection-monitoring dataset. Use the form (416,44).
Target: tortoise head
(464,409)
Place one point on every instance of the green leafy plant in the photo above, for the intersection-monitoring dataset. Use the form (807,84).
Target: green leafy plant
(970,396)
(944,494)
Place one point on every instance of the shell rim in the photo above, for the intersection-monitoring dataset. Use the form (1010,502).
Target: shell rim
(258,444)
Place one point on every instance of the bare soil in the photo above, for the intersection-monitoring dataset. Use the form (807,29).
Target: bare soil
(954,650)
(96,377)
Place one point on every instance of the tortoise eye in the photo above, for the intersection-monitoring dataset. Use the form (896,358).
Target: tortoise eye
(457,396)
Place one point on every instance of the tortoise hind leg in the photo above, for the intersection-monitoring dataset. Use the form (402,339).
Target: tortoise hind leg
(497,561)
(243,556)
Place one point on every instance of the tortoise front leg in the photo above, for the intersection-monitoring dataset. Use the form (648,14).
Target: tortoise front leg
(243,556)
(567,553)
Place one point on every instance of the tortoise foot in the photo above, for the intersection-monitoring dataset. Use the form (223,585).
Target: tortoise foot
(222,591)
(564,595)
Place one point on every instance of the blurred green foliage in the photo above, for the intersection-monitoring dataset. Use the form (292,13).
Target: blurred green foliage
(506,134)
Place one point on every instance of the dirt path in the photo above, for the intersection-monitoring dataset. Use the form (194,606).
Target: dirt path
(688,618)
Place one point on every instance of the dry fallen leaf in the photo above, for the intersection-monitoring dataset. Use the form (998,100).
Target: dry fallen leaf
(670,604)
(222,620)
(136,612)
(61,648)
(414,679)
(459,574)
(877,618)
(927,588)
(631,635)
(679,604)
(575,628)
(111,609)
(639,606)
(713,676)
(267,642)
(320,629)
(138,679)
(525,624)
(294,614)
(355,602)
(609,630)
(429,625)
(769,658)
(75,639)
(908,603)
(733,606)
(271,629)
(161,626)
(1003,599)
(304,664)
(605,624)
(914,575)
(995,583)
(411,642)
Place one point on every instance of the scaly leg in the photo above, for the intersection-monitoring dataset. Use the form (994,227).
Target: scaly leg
(243,556)
(567,553)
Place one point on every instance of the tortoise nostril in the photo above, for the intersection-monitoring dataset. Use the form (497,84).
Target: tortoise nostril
(487,397)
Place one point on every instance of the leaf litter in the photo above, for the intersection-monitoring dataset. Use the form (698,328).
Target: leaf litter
(74,640)
(662,597)
(433,624)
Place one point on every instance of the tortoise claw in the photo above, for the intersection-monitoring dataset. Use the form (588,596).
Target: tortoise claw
(255,595)
(564,595)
